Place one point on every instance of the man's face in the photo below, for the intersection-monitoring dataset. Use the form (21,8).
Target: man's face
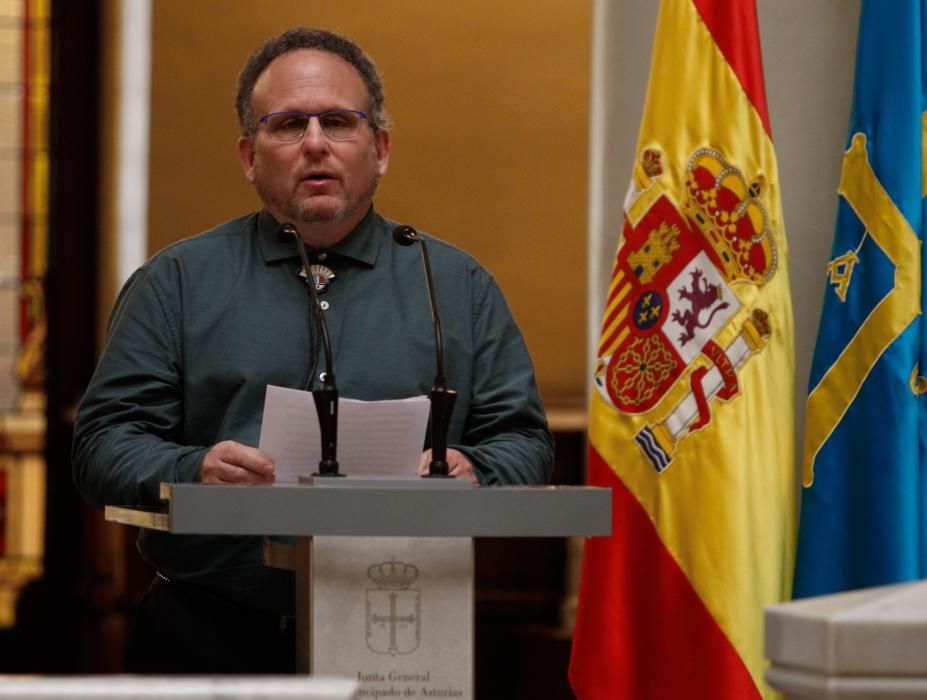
(325,185)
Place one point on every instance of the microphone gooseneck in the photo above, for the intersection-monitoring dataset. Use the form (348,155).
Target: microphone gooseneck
(442,398)
(326,397)
(406,236)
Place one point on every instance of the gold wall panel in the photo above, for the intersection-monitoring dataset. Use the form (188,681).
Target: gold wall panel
(24,163)
(22,464)
(11,38)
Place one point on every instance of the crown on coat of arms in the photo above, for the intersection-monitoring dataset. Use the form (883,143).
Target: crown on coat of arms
(728,211)
(393,575)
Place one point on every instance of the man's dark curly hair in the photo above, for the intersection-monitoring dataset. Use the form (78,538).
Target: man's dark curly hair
(308,38)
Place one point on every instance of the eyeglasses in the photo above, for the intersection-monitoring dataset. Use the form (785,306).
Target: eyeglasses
(337,124)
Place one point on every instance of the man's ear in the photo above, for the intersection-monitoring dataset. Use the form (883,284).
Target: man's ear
(382,145)
(246,156)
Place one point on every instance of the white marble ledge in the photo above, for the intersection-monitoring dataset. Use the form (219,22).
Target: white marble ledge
(796,684)
(177,687)
(878,632)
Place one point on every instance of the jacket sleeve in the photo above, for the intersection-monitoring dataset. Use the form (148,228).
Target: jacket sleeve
(130,422)
(506,436)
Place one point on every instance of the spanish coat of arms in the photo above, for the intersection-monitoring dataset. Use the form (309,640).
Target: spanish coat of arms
(672,314)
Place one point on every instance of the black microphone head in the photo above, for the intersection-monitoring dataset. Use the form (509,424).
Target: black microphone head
(287,229)
(404,235)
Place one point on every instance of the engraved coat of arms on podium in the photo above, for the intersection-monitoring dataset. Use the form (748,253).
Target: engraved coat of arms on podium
(393,609)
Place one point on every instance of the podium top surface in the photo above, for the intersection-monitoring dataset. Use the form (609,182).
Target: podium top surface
(370,509)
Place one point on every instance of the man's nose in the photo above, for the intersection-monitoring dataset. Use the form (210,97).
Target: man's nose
(314,140)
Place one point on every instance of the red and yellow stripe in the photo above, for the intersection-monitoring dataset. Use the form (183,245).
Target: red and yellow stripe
(615,326)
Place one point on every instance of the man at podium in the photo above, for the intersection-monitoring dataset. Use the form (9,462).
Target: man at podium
(202,328)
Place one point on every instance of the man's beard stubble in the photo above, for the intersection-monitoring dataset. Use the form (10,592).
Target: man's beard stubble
(307,214)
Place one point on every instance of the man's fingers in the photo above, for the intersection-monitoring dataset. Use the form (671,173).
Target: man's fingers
(249,458)
(424,462)
(230,474)
(230,462)
(458,465)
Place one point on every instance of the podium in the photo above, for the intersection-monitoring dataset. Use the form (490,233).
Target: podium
(383,567)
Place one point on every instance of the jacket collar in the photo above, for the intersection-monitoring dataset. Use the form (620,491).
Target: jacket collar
(362,244)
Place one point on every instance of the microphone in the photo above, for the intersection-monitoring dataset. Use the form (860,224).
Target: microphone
(326,398)
(442,398)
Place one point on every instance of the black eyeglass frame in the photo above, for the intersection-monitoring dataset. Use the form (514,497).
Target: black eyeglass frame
(318,115)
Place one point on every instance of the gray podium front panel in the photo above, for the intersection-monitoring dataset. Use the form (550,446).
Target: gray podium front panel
(388,511)
(395,613)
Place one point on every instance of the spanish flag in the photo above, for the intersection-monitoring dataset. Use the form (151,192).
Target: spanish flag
(692,421)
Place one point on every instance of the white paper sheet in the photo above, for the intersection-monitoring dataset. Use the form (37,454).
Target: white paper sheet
(375,438)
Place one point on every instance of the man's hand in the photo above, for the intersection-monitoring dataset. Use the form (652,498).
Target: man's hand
(230,462)
(458,466)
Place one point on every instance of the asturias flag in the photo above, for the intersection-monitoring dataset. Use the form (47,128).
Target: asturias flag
(863,514)
(691,422)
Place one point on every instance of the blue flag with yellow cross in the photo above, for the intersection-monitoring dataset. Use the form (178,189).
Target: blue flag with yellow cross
(863,509)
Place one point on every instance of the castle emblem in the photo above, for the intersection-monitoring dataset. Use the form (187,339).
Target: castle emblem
(393,619)
(673,314)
